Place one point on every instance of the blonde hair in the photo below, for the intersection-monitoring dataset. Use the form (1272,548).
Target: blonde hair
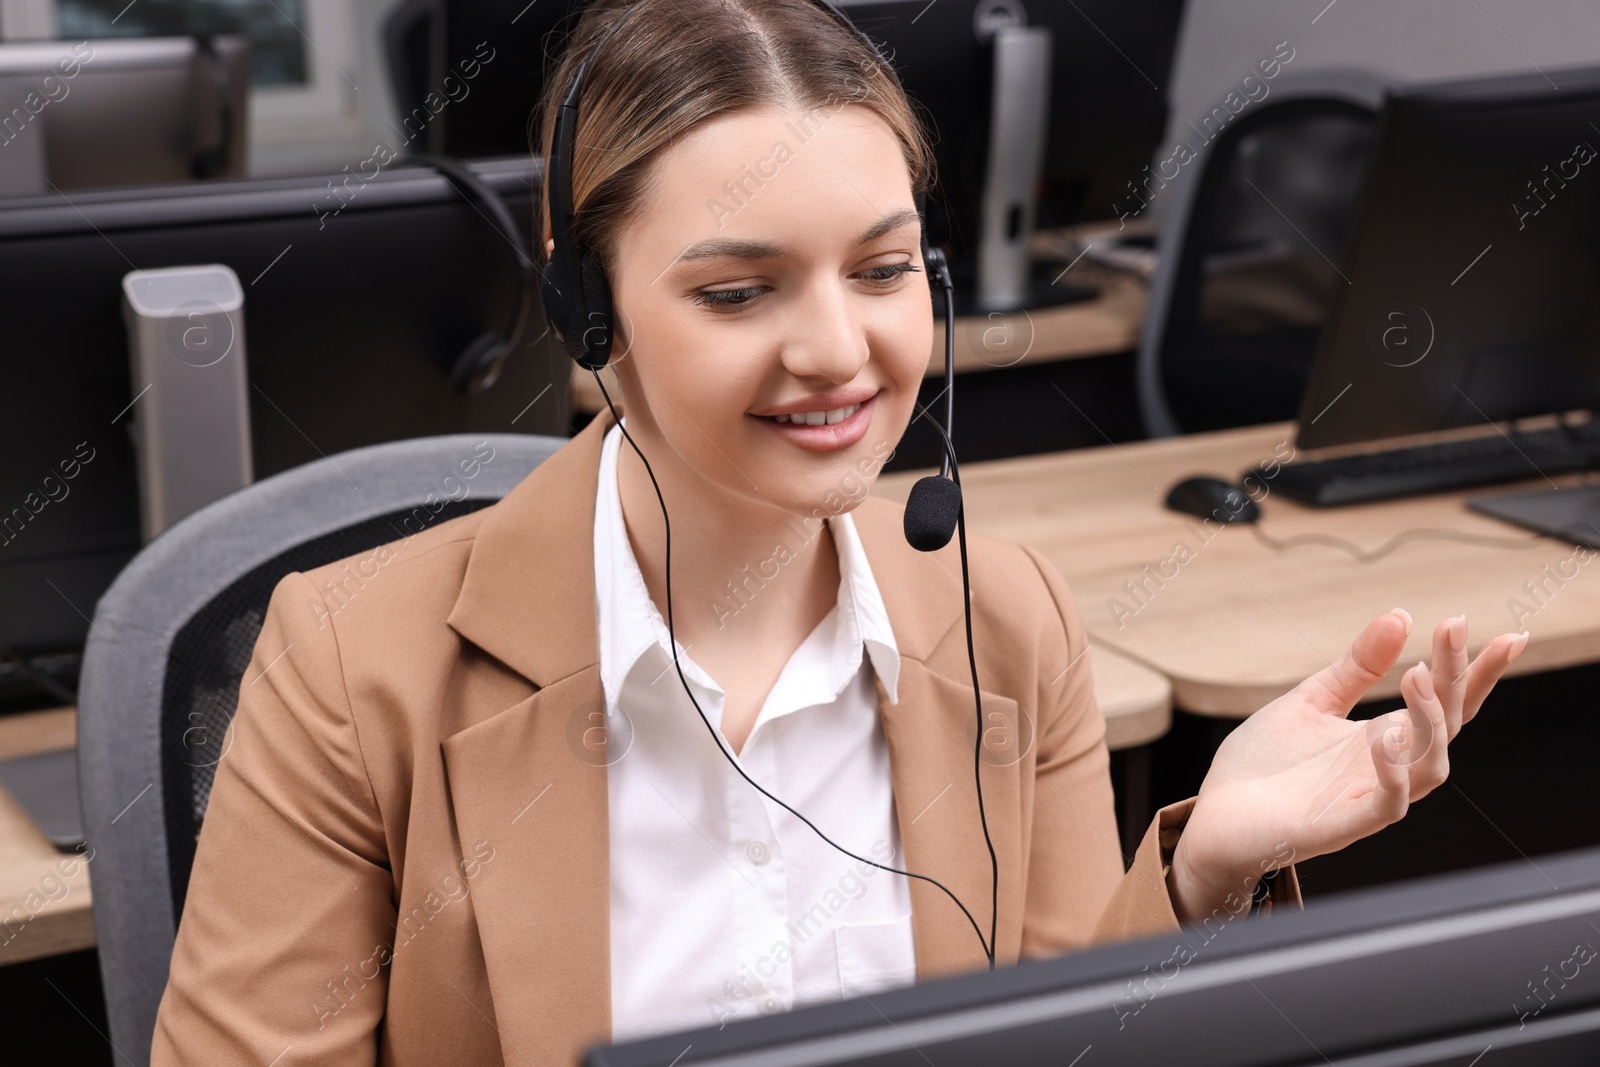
(678,63)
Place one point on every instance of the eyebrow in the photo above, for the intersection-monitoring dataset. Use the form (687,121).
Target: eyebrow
(739,248)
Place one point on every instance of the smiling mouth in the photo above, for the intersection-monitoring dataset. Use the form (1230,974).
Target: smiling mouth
(816,418)
(825,431)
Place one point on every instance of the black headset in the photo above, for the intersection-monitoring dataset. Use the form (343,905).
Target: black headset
(577,303)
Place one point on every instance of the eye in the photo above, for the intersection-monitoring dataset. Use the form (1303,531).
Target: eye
(728,297)
(884,277)
(894,270)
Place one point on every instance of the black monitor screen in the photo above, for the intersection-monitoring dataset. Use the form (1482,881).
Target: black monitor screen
(1469,288)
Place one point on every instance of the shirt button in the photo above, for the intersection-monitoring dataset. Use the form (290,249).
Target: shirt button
(769,1006)
(758,852)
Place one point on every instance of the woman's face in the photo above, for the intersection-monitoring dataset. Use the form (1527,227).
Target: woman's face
(768,275)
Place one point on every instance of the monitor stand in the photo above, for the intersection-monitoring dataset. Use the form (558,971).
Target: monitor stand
(1008,279)
(22,155)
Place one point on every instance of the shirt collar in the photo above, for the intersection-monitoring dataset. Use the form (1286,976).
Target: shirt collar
(630,624)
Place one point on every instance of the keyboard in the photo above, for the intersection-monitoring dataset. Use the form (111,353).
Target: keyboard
(1437,467)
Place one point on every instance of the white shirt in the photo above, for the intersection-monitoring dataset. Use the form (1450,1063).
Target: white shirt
(723,905)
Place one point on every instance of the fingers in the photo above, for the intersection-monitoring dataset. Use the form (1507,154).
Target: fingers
(1388,801)
(1487,669)
(1357,810)
(1449,673)
(1408,753)
(1341,685)
(1424,748)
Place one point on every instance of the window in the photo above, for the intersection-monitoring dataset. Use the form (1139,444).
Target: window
(303,55)
(277,49)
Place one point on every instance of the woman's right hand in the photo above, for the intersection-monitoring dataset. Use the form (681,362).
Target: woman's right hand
(1299,777)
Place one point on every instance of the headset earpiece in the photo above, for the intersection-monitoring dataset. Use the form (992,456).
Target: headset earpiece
(597,329)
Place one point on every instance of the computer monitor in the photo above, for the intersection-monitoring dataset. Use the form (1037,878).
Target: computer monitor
(361,288)
(1428,973)
(102,113)
(1107,109)
(1107,98)
(1469,288)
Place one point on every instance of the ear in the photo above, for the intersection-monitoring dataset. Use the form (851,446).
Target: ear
(550,247)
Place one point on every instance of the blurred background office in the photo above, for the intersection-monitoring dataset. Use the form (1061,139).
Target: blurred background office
(255,252)
(320,94)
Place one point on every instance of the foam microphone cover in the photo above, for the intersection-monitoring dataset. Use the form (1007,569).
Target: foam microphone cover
(932,510)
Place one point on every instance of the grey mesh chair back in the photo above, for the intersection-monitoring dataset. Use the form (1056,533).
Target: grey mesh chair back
(1250,249)
(170,641)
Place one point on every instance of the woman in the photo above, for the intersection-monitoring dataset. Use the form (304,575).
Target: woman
(469,815)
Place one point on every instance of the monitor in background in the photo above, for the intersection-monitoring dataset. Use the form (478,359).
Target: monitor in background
(361,288)
(1471,279)
(1430,973)
(1106,110)
(1106,102)
(104,113)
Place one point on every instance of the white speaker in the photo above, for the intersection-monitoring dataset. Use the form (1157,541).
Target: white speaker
(191,412)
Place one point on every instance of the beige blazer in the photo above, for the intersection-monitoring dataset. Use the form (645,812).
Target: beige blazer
(405,856)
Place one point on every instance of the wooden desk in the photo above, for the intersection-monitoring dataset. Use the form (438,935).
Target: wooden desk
(42,912)
(1135,700)
(1239,623)
(1110,323)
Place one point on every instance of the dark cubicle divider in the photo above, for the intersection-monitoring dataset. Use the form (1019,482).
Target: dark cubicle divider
(362,287)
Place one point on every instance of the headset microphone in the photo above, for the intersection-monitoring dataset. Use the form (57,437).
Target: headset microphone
(578,306)
(934,505)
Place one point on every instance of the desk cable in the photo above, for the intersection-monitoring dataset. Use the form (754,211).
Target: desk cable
(1422,533)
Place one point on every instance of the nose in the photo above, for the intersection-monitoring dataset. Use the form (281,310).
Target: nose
(830,340)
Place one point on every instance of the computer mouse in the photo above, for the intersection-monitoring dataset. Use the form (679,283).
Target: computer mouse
(1212,498)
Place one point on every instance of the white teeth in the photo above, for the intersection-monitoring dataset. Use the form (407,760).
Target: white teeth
(820,418)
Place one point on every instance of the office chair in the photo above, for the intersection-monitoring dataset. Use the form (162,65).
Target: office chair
(1249,254)
(168,644)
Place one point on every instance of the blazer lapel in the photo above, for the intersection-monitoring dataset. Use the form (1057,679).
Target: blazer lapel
(543,906)
(531,780)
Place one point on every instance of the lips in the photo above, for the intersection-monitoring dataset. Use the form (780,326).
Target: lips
(830,417)
(826,437)
(835,398)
